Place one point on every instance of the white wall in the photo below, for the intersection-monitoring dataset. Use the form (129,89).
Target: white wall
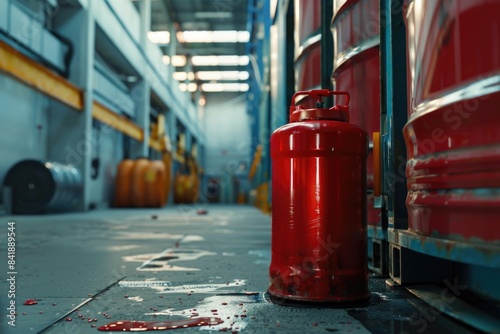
(227,127)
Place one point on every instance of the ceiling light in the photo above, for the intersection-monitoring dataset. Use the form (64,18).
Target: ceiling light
(183,76)
(183,87)
(166,60)
(222,75)
(212,87)
(192,87)
(243,75)
(180,76)
(224,87)
(219,36)
(220,60)
(202,101)
(159,37)
(179,61)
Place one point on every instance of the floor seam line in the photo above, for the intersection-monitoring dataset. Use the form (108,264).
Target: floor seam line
(85,302)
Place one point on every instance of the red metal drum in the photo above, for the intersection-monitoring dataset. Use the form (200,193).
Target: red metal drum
(453,132)
(319,246)
(307,37)
(356,69)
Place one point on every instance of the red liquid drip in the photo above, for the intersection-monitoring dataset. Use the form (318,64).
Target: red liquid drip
(30,302)
(127,325)
(202,212)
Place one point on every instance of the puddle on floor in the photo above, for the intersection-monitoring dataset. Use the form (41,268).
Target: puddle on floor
(235,310)
(140,326)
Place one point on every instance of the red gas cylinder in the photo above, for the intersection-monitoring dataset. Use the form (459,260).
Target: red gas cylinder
(319,205)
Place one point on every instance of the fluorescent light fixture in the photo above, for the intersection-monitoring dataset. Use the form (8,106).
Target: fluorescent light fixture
(183,76)
(222,75)
(183,87)
(224,87)
(179,61)
(180,76)
(213,15)
(218,36)
(159,37)
(220,60)
(192,87)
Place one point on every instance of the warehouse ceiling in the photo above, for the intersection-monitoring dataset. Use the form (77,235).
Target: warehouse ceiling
(221,29)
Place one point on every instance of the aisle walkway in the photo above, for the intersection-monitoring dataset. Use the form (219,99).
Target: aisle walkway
(158,265)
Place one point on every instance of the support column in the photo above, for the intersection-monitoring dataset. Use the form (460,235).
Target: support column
(141,95)
(70,132)
(326,45)
(393,110)
(142,91)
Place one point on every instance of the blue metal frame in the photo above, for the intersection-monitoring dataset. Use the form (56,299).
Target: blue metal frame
(257,102)
(483,254)
(393,110)
(326,44)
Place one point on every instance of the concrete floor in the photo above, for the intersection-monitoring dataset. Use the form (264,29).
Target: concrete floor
(160,265)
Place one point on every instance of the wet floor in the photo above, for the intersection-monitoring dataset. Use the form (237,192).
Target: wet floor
(175,269)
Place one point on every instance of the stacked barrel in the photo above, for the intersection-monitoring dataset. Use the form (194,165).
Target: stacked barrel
(356,62)
(307,29)
(453,130)
(143,183)
(187,182)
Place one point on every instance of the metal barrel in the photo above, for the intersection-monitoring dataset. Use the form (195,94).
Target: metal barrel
(452,134)
(356,69)
(307,36)
(39,187)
